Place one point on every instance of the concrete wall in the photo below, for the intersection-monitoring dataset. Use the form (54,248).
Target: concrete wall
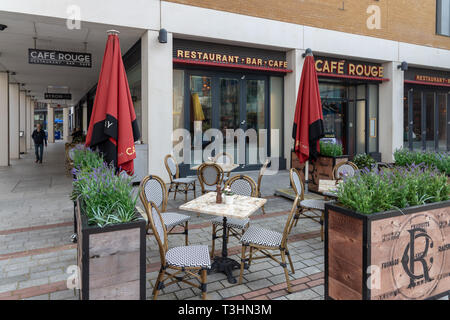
(14,152)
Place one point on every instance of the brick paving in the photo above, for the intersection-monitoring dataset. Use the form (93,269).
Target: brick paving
(36,222)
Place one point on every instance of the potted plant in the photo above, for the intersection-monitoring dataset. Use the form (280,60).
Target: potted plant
(229,196)
(363,161)
(331,154)
(387,236)
(439,160)
(111,236)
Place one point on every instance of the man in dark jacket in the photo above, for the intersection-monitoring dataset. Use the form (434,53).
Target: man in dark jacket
(39,138)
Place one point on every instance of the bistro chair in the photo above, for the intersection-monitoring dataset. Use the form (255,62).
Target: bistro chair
(260,176)
(209,175)
(307,209)
(347,169)
(243,186)
(187,184)
(224,158)
(266,242)
(185,263)
(153,189)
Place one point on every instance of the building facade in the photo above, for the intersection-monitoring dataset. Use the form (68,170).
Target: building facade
(226,65)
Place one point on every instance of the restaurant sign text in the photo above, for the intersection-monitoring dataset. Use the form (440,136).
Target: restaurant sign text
(349,68)
(60,58)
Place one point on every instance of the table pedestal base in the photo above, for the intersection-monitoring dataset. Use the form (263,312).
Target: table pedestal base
(226,266)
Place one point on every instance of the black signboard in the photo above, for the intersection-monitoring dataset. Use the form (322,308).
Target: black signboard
(60,58)
(58,96)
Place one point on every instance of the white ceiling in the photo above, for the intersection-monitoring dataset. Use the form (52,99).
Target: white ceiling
(53,34)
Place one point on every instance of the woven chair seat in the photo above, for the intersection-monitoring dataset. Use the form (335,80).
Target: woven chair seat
(262,237)
(313,204)
(232,223)
(189,257)
(185,180)
(172,219)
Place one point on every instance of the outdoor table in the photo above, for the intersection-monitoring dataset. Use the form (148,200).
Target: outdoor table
(328,188)
(226,167)
(242,208)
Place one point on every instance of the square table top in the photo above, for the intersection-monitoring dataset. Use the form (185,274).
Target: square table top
(242,206)
(226,167)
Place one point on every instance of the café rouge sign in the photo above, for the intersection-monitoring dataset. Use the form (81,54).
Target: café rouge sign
(349,68)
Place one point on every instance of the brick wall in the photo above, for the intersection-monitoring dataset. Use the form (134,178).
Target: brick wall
(411,21)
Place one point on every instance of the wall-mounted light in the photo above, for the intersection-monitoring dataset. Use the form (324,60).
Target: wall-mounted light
(403,66)
(308,52)
(162,38)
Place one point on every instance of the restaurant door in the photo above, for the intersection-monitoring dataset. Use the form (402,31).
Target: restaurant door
(228,101)
(427,119)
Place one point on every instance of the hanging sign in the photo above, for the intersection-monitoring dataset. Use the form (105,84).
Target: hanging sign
(58,96)
(60,58)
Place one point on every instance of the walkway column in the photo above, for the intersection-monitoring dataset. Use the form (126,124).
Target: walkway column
(50,124)
(22,115)
(85,116)
(295,62)
(391,111)
(157,83)
(28,122)
(4,119)
(66,133)
(14,96)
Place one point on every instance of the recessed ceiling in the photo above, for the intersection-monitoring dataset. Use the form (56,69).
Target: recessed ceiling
(51,33)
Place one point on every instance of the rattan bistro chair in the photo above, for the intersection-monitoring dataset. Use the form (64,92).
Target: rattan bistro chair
(240,185)
(307,209)
(266,241)
(173,170)
(153,189)
(209,175)
(260,177)
(187,263)
(347,169)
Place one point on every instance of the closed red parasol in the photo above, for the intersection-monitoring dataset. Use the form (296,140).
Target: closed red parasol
(113,128)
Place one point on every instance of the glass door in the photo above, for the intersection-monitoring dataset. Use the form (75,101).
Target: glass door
(255,118)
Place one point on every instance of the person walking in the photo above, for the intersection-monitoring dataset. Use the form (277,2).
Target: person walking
(39,138)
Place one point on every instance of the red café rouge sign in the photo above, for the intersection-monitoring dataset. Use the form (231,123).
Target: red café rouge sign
(208,58)
(349,69)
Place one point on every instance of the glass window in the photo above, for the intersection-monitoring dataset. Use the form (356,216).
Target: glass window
(276,116)
(229,104)
(255,104)
(443,17)
(373,118)
(134,81)
(406,121)
(201,102)
(417,120)
(442,109)
(178,99)
(430,145)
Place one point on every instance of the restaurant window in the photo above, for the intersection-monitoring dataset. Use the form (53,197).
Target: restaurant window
(276,116)
(134,81)
(443,17)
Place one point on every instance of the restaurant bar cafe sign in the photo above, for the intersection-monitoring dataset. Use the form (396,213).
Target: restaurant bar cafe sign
(60,58)
(341,67)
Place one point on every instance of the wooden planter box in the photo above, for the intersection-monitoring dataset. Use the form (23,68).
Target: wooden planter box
(321,169)
(111,260)
(386,242)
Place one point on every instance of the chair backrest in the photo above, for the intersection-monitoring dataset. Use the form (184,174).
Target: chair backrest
(224,158)
(290,222)
(154,190)
(210,174)
(242,185)
(345,169)
(155,222)
(297,184)
(171,167)
(261,175)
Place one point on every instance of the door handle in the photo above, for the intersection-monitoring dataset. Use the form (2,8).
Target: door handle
(243,122)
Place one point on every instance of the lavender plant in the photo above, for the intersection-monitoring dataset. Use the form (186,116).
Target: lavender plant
(439,160)
(84,159)
(373,191)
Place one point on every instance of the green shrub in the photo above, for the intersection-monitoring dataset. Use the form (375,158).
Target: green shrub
(86,159)
(363,161)
(329,149)
(438,160)
(369,192)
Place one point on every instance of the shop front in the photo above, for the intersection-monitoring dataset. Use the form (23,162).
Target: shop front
(230,88)
(426,110)
(350,101)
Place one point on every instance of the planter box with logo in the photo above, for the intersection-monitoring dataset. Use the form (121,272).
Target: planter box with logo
(387,256)
(321,169)
(111,260)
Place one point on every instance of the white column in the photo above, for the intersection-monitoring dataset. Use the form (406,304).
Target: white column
(28,123)
(33,104)
(391,111)
(85,116)
(50,124)
(157,100)
(4,119)
(14,96)
(66,133)
(295,62)
(22,115)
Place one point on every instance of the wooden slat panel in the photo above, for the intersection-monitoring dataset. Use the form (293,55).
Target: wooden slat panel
(340,292)
(123,291)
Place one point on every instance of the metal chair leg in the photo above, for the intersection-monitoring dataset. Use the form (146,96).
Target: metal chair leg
(175,195)
(158,281)
(186,230)
(213,240)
